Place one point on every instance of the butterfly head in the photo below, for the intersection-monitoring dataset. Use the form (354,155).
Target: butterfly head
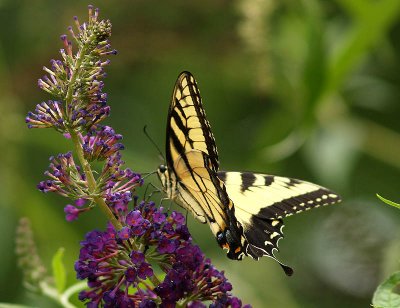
(163,174)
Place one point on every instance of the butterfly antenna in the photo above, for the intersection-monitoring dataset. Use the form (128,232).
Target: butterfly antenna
(147,174)
(152,141)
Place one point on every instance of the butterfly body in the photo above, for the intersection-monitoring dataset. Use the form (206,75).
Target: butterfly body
(244,209)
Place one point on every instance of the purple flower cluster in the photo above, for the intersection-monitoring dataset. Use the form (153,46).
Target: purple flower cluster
(114,184)
(80,103)
(66,178)
(101,143)
(114,262)
(194,275)
(76,84)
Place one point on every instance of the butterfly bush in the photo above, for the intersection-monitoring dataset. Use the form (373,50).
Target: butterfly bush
(145,257)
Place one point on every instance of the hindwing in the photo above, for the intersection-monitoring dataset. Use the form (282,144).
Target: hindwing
(261,201)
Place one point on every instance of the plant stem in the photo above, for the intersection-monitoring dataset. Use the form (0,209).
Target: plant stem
(91,180)
(75,288)
(74,74)
(154,280)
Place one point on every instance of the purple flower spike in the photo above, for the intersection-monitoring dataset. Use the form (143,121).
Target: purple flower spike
(87,105)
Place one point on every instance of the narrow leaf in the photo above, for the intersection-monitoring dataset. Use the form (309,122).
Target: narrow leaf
(388,201)
(59,270)
(387,295)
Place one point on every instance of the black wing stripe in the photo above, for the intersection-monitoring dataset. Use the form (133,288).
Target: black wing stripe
(248,179)
(293,182)
(178,120)
(177,145)
(222,175)
(269,179)
(299,203)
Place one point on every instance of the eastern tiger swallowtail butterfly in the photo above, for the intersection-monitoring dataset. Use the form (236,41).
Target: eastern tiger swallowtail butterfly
(244,209)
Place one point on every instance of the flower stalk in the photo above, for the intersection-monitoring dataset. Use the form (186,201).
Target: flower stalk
(92,182)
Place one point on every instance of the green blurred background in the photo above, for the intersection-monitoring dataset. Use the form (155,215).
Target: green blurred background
(307,89)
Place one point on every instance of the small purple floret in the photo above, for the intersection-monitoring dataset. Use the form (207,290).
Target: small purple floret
(71,212)
(137,257)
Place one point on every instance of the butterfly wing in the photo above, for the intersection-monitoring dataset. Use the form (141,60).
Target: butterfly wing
(261,201)
(192,161)
(187,125)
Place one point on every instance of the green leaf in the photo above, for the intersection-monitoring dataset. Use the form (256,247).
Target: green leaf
(387,295)
(59,270)
(388,201)
(368,30)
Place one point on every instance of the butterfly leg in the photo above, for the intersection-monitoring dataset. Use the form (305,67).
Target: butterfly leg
(169,204)
(162,200)
(186,218)
(156,190)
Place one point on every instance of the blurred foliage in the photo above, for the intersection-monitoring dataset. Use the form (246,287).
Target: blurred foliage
(387,295)
(307,89)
